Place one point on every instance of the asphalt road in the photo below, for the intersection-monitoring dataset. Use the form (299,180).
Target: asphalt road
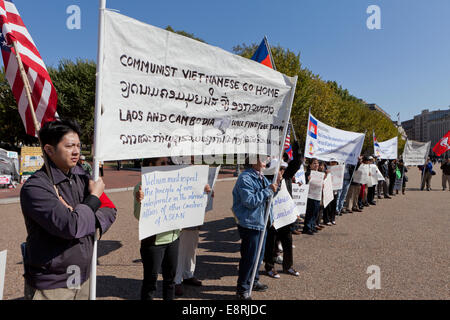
(407,237)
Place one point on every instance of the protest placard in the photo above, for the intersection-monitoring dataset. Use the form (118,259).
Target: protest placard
(284,208)
(337,176)
(316,185)
(398,184)
(2,272)
(5,179)
(168,95)
(374,174)
(212,178)
(300,175)
(31,159)
(416,153)
(300,196)
(327,191)
(362,175)
(379,175)
(174,198)
(326,143)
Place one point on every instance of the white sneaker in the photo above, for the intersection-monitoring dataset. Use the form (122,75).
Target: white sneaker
(334,222)
(292,272)
(328,223)
(273,274)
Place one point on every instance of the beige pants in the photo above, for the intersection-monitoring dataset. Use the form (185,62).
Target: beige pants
(426,180)
(186,255)
(352,197)
(57,294)
(445,179)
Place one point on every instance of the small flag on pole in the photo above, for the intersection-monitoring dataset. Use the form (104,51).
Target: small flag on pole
(287,145)
(263,55)
(43,92)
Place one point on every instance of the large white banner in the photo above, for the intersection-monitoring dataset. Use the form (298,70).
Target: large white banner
(316,185)
(327,143)
(174,198)
(300,196)
(387,149)
(284,208)
(168,95)
(337,176)
(2,272)
(416,153)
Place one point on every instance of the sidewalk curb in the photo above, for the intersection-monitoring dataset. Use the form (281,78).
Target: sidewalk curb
(17,199)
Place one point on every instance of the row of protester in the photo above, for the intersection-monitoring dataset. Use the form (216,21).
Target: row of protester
(63,211)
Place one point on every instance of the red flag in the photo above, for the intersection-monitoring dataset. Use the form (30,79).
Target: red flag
(443,145)
(43,92)
(106,202)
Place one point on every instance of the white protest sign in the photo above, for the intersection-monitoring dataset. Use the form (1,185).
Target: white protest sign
(174,198)
(5,179)
(316,185)
(327,191)
(387,149)
(326,143)
(379,175)
(398,184)
(168,95)
(300,175)
(284,208)
(212,178)
(374,174)
(362,175)
(2,272)
(416,153)
(337,176)
(300,196)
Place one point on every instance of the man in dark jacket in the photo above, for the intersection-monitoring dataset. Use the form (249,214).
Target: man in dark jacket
(61,219)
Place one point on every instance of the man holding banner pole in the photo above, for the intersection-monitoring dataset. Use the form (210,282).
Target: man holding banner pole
(274,181)
(246,284)
(58,202)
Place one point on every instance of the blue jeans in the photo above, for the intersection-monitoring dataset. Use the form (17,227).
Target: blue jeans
(249,251)
(342,194)
(312,212)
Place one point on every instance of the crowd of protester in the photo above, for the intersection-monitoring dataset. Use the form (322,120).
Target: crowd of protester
(63,213)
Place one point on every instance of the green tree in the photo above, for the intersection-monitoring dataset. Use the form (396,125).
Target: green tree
(75,84)
(12,130)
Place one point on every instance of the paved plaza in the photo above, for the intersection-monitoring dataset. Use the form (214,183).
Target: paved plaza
(407,237)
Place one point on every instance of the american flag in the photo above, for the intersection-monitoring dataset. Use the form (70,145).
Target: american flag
(43,93)
(287,144)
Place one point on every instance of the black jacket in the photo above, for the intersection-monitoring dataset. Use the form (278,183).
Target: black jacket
(58,237)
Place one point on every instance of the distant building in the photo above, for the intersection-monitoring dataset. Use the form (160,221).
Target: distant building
(375,107)
(409,128)
(428,126)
